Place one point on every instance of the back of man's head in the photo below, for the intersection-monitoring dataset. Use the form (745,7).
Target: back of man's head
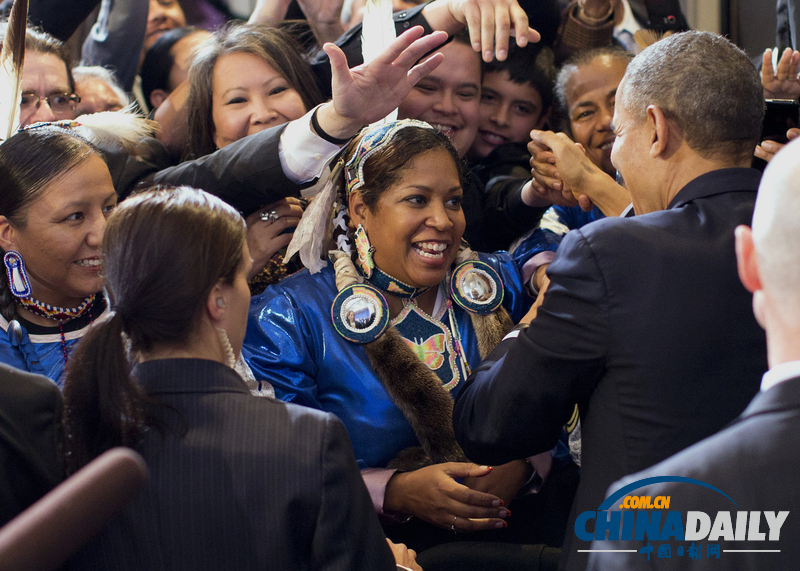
(706,86)
(776,230)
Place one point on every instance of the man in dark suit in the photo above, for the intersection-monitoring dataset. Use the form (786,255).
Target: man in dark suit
(756,460)
(645,325)
(30,440)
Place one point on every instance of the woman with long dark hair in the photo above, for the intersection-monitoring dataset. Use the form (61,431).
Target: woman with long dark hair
(237,481)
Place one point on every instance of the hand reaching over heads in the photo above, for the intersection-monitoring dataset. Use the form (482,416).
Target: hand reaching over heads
(490,23)
(781,83)
(369,92)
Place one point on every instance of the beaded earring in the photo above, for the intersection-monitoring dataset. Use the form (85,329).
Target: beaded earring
(365,251)
(17,276)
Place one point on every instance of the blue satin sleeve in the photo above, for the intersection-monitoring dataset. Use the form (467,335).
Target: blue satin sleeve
(516,301)
(276,348)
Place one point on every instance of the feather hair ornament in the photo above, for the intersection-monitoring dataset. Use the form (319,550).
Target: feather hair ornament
(314,230)
(116,130)
(12,57)
(377,32)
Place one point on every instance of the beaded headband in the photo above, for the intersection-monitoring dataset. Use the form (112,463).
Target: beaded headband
(375,139)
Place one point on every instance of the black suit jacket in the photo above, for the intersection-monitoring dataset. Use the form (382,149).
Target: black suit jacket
(755,461)
(30,439)
(240,482)
(645,326)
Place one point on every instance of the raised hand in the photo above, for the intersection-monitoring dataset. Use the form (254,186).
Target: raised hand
(781,83)
(371,91)
(433,494)
(490,23)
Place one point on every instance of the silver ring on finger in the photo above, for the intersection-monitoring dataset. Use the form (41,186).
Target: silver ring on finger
(453,525)
(270,217)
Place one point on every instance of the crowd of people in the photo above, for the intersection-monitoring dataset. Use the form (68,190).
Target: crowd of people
(421,304)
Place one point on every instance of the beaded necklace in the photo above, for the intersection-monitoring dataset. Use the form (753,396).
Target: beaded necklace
(60,314)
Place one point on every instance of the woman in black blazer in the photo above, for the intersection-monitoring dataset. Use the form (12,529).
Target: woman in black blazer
(237,481)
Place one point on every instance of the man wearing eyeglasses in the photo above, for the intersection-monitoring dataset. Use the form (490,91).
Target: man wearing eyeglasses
(48,91)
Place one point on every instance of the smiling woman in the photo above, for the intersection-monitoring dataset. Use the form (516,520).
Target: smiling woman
(57,193)
(386,336)
(244,79)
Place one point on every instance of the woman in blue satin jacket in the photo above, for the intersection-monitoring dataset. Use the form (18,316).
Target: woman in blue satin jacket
(383,337)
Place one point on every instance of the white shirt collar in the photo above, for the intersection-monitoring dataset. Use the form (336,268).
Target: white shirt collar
(780,373)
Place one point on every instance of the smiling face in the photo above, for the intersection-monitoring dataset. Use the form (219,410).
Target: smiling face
(248,96)
(449,96)
(509,111)
(591,94)
(417,224)
(60,240)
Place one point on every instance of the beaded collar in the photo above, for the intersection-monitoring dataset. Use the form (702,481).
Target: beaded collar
(392,285)
(60,314)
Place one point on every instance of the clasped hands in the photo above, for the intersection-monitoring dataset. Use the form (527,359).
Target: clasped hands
(433,494)
(563,175)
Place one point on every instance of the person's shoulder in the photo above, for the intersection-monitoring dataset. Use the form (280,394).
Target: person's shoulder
(15,383)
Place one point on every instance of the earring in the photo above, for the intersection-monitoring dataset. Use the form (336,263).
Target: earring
(230,357)
(365,252)
(17,276)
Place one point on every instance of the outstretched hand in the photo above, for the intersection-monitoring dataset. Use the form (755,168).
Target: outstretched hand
(371,91)
(433,494)
(781,83)
(491,23)
(585,180)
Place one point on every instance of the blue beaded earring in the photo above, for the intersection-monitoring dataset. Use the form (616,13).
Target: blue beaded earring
(17,276)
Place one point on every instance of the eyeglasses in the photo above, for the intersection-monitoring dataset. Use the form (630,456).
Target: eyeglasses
(58,102)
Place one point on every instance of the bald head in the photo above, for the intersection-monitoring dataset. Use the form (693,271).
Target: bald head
(776,227)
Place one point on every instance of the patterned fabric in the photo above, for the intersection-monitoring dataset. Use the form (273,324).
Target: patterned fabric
(374,140)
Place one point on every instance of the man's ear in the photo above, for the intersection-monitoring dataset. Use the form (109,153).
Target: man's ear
(157,97)
(662,131)
(8,235)
(358,208)
(746,260)
(749,273)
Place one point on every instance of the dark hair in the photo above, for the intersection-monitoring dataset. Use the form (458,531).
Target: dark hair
(158,60)
(163,252)
(569,68)
(275,46)
(41,42)
(385,168)
(685,75)
(29,162)
(534,64)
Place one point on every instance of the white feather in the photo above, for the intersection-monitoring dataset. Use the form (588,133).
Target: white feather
(377,32)
(314,230)
(116,130)
(12,56)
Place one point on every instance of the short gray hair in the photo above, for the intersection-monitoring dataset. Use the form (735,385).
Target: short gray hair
(706,86)
(570,68)
(105,75)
